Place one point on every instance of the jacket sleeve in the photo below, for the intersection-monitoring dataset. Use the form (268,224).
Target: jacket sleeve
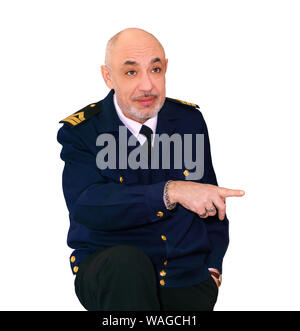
(218,231)
(101,204)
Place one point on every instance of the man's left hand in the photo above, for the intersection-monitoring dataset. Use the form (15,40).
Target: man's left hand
(215,275)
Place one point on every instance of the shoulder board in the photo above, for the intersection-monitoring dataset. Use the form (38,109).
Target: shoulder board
(193,105)
(82,115)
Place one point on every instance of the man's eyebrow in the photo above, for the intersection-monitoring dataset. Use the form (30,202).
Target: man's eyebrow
(128,62)
(132,63)
(157,59)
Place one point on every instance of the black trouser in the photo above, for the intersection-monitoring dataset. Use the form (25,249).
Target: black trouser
(123,278)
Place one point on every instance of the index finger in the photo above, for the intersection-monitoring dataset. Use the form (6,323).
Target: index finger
(227,192)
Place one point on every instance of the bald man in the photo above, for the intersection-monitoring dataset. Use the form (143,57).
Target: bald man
(149,237)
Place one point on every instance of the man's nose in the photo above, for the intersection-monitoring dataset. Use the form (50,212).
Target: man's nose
(145,83)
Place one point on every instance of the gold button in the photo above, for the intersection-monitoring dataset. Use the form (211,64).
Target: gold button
(160,214)
(121,179)
(93,105)
(162,282)
(163,237)
(186,172)
(75,269)
(73,258)
(165,263)
(162,273)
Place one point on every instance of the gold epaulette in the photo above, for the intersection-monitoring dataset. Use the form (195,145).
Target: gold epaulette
(193,105)
(82,115)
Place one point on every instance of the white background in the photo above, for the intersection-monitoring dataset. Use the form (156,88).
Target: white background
(238,60)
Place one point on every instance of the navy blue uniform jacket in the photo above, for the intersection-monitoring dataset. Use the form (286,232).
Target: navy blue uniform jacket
(115,207)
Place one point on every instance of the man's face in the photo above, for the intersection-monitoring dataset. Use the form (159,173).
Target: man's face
(137,74)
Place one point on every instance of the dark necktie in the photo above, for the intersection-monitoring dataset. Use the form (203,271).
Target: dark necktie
(146,131)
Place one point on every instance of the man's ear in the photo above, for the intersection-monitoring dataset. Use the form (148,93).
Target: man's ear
(106,74)
(166,65)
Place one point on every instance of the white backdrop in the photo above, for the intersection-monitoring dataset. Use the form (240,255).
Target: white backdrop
(238,60)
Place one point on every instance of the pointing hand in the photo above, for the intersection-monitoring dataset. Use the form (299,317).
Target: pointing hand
(202,199)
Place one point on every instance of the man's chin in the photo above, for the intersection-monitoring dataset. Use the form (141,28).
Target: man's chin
(144,112)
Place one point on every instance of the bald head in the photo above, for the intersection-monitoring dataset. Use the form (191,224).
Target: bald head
(135,67)
(127,37)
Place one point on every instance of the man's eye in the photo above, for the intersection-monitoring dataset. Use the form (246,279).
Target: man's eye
(156,69)
(131,73)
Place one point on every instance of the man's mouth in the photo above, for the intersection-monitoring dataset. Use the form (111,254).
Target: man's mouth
(146,101)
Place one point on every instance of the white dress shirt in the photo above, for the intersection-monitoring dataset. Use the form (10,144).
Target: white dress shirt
(133,126)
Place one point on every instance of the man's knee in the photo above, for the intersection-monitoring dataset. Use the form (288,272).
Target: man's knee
(128,257)
(118,277)
(117,260)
